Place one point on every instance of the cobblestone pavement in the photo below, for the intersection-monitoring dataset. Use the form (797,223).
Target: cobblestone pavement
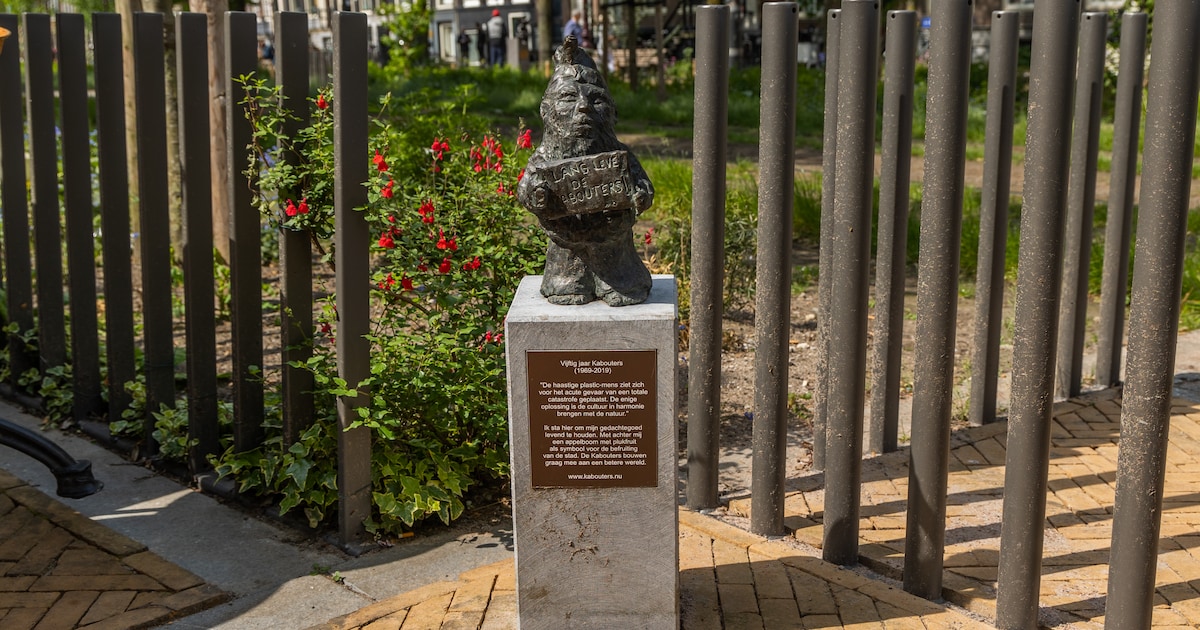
(1078,525)
(728,579)
(60,570)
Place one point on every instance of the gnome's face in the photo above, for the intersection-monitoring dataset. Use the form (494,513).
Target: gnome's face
(578,108)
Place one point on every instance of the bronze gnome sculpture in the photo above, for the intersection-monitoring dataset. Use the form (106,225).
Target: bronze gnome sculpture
(586,189)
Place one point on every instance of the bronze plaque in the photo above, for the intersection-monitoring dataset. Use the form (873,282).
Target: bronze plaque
(593,418)
(592,183)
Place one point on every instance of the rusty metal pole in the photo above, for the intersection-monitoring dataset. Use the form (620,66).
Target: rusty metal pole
(353,268)
(1027,458)
(851,245)
(993,217)
(1123,175)
(1154,314)
(892,249)
(937,296)
(708,254)
(772,308)
(1081,200)
(825,253)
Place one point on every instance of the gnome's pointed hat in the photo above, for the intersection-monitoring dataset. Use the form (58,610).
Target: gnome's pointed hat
(572,62)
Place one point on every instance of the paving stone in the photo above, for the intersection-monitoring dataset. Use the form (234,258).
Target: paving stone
(391,622)
(472,595)
(170,575)
(68,610)
(108,604)
(428,614)
(737,598)
(23,618)
(462,620)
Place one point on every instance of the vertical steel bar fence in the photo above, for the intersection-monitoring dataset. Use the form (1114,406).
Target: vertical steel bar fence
(1081,200)
(937,296)
(295,246)
(154,238)
(851,243)
(1154,314)
(1027,453)
(114,211)
(353,289)
(18,277)
(1127,118)
(891,255)
(993,217)
(77,198)
(825,253)
(708,254)
(191,31)
(43,159)
(772,309)
(245,236)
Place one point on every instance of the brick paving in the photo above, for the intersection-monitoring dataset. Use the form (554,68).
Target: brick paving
(729,579)
(1078,527)
(60,570)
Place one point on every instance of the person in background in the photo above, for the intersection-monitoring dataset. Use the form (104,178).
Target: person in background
(464,49)
(574,26)
(497,34)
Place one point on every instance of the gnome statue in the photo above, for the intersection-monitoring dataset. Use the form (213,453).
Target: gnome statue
(586,189)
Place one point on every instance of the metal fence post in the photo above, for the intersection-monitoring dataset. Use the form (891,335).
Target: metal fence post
(993,217)
(1081,201)
(18,277)
(708,254)
(772,308)
(891,257)
(114,211)
(77,197)
(155,235)
(937,296)
(825,250)
(1154,314)
(43,158)
(295,247)
(353,271)
(194,149)
(245,235)
(1027,457)
(851,245)
(1123,175)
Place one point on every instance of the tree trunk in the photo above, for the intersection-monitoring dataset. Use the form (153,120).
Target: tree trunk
(544,37)
(174,173)
(216,118)
(126,8)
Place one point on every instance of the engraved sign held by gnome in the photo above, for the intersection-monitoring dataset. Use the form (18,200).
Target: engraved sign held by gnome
(586,189)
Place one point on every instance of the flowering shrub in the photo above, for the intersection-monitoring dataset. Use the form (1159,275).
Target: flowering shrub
(449,245)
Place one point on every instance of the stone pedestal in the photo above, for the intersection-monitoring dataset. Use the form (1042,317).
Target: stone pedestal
(591,393)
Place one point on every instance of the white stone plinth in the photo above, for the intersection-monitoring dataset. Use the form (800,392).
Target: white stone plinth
(600,556)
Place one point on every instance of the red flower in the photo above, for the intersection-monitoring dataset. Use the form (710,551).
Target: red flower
(386,191)
(487,337)
(520,176)
(406,283)
(453,244)
(472,265)
(649,235)
(442,244)
(500,189)
(422,267)
(445,266)
(291,210)
(525,140)
(379,161)
(303,209)
(426,211)
(386,241)
(321,103)
(326,328)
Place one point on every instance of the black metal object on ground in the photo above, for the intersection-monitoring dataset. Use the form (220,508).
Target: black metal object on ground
(75,479)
